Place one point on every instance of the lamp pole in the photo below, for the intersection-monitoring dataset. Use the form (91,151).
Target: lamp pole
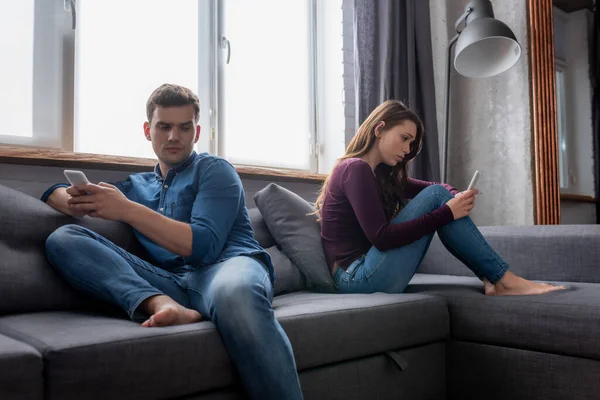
(468,10)
(447,108)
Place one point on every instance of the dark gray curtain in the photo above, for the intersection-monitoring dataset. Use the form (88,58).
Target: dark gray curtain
(393,60)
(595,81)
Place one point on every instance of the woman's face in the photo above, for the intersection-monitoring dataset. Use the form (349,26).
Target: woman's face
(394,143)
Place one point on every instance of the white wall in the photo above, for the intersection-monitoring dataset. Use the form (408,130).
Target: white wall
(490,121)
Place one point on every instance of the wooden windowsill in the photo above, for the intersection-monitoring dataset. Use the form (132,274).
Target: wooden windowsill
(578,198)
(50,157)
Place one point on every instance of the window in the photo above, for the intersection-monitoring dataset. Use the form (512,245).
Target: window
(269,75)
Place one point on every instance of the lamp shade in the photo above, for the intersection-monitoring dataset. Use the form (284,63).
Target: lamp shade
(486,47)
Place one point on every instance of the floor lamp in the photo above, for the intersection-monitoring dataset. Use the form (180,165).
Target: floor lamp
(484,47)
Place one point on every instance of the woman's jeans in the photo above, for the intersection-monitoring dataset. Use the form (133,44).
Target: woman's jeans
(235,294)
(390,271)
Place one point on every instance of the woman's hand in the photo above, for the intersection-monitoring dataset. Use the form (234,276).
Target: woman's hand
(462,204)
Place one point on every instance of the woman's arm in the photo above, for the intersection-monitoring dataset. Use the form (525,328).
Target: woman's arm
(362,191)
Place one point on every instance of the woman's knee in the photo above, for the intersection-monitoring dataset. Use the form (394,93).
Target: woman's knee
(439,193)
(428,200)
(438,189)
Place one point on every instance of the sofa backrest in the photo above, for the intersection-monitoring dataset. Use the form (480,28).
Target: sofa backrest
(27,281)
(562,253)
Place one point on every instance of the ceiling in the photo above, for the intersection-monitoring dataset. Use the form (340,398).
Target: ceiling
(573,5)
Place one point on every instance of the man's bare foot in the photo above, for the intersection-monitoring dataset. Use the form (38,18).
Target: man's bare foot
(490,289)
(511,284)
(164,311)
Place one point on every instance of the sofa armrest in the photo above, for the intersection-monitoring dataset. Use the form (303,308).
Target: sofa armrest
(563,253)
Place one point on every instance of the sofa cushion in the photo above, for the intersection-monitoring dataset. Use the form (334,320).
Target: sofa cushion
(297,232)
(27,281)
(85,352)
(326,328)
(288,278)
(89,356)
(564,322)
(21,367)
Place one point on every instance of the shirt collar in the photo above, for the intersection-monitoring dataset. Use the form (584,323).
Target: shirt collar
(177,168)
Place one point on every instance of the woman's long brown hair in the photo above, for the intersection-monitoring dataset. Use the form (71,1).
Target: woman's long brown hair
(393,180)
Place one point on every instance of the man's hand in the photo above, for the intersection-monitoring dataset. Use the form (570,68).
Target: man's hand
(103,201)
(462,204)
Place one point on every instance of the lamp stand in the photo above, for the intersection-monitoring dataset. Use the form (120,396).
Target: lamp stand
(447,108)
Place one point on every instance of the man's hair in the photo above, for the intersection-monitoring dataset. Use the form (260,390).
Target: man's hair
(169,95)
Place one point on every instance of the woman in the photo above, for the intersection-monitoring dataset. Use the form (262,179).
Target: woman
(372,242)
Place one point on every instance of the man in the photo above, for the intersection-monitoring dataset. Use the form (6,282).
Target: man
(191,217)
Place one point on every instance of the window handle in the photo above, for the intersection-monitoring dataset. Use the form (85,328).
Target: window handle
(69,6)
(225,44)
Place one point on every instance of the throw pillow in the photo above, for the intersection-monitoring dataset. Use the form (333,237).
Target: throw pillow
(288,278)
(297,232)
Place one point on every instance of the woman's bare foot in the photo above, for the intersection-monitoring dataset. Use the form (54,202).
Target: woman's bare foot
(511,284)
(164,311)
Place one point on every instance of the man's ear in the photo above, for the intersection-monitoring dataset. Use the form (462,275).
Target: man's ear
(197,134)
(147,131)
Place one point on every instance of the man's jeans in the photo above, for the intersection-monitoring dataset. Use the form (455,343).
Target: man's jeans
(391,271)
(235,294)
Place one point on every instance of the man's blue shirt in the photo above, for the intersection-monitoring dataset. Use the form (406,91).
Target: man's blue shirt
(206,192)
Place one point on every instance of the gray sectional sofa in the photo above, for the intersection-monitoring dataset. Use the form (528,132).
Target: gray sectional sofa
(442,340)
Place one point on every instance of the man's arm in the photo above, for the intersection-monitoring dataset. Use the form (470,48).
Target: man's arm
(58,198)
(202,240)
(108,202)
(214,211)
(169,234)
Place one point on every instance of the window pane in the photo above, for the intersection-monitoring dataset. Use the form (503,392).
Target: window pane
(265,113)
(124,51)
(16,76)
(36,44)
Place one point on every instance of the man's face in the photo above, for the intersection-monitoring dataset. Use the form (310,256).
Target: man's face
(173,133)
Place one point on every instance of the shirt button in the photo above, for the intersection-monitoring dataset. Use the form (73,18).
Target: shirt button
(161,209)
(166,186)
